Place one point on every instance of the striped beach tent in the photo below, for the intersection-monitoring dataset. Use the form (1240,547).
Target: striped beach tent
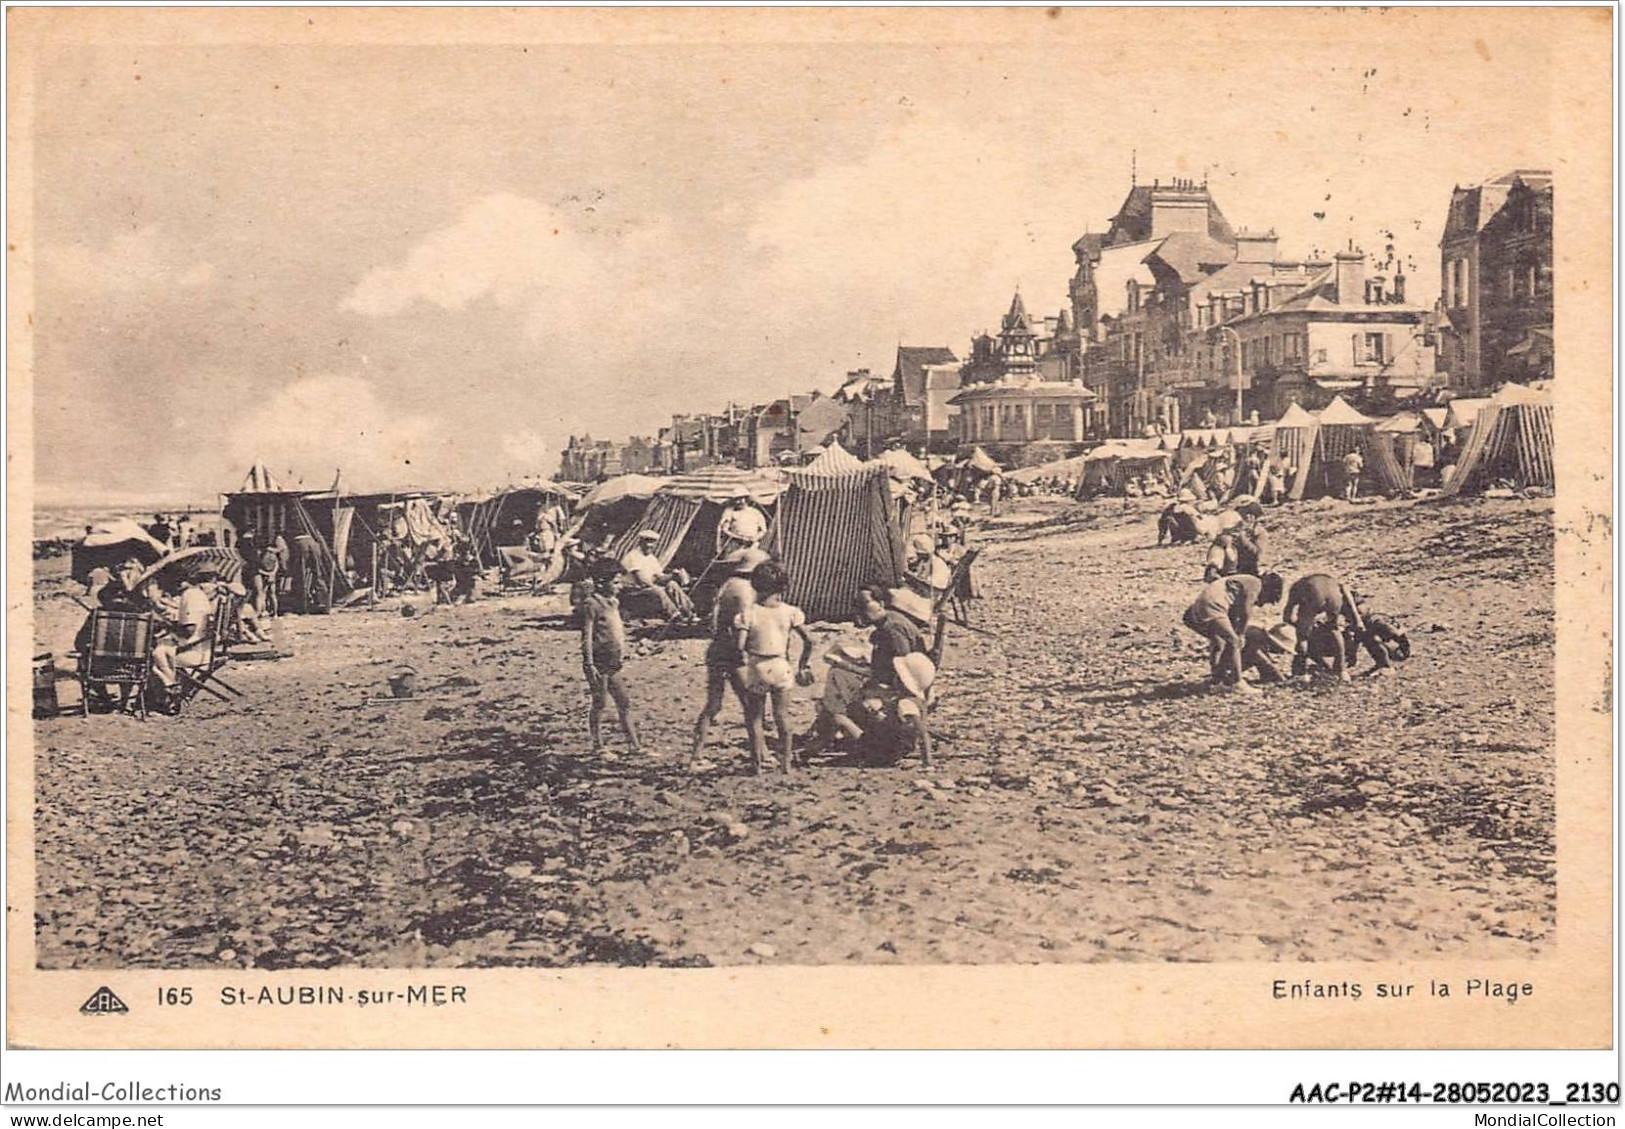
(1296,433)
(1512,438)
(836,532)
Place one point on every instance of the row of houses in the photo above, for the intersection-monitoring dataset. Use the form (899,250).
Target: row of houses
(761,435)
(1185,317)
(1174,319)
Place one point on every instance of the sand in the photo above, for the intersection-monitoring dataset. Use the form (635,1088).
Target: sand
(1090,800)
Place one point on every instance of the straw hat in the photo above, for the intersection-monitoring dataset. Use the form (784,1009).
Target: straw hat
(915,673)
(911,604)
(1187,496)
(648,535)
(849,649)
(1284,636)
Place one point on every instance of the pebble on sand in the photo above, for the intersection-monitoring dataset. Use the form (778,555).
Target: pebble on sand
(762,949)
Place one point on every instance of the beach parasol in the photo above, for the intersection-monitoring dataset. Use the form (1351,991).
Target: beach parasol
(226,563)
(724,483)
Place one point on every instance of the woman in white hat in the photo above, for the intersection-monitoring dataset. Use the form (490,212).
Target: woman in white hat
(892,690)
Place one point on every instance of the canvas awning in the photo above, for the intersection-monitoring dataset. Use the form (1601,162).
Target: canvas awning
(1060,468)
(979,459)
(1295,416)
(622,486)
(1400,422)
(833,460)
(1339,413)
(903,465)
(1464,412)
(117,532)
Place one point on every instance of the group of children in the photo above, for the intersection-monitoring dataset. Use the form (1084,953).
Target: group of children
(1323,627)
(752,628)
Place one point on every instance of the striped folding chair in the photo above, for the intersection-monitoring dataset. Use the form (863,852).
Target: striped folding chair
(119,654)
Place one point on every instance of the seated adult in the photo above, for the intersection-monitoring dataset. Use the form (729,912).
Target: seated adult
(185,642)
(246,621)
(897,618)
(113,593)
(646,571)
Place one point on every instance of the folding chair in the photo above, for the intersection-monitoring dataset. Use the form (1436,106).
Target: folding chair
(119,653)
(206,674)
(960,590)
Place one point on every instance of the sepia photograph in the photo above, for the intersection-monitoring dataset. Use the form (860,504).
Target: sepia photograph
(1091,492)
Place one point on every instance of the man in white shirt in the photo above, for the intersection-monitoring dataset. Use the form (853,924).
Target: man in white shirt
(646,571)
(743,526)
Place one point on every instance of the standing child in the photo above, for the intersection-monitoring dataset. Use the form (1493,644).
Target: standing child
(603,653)
(762,633)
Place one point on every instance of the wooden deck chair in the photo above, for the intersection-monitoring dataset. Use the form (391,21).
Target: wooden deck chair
(206,674)
(960,590)
(119,653)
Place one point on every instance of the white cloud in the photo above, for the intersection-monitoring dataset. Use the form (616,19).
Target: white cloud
(524,452)
(130,261)
(520,254)
(319,424)
(927,233)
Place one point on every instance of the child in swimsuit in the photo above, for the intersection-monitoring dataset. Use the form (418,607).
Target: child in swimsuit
(762,632)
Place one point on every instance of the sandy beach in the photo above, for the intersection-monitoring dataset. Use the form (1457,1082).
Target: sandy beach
(1091,801)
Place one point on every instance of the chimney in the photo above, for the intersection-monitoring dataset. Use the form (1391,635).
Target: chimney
(1255,247)
(1350,266)
(1399,288)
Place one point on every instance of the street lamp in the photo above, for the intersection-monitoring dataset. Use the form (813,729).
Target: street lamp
(1237,336)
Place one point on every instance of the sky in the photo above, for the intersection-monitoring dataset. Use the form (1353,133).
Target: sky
(430,265)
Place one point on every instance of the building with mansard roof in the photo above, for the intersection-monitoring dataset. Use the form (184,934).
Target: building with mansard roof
(1495,261)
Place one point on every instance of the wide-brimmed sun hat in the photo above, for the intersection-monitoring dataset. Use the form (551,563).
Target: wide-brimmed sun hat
(1284,636)
(648,535)
(911,604)
(849,648)
(915,672)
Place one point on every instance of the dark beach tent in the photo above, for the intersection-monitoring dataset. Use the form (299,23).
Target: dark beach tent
(508,517)
(838,530)
(109,544)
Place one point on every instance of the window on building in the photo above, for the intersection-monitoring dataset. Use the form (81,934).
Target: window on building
(1373,348)
(1450,283)
(1534,281)
(1461,283)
